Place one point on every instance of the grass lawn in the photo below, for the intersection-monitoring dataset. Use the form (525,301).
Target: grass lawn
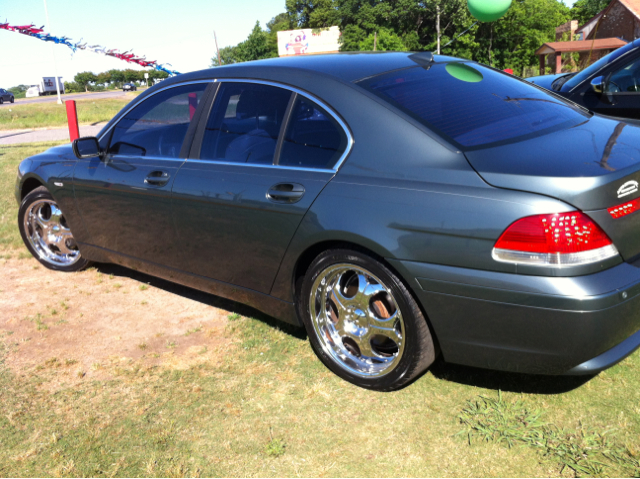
(45,115)
(268,407)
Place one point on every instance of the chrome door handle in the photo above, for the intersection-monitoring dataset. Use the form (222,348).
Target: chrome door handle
(157,178)
(286,192)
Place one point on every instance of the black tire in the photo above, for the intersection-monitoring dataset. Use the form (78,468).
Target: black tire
(12,99)
(1,100)
(41,196)
(419,350)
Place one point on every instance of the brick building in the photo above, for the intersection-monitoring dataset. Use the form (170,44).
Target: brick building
(612,28)
(621,19)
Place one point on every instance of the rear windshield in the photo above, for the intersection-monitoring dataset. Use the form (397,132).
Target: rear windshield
(474,106)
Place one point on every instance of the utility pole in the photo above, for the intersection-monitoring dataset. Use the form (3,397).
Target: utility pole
(375,41)
(438,27)
(53,53)
(217,51)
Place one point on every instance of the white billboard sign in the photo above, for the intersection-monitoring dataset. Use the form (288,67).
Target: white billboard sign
(308,41)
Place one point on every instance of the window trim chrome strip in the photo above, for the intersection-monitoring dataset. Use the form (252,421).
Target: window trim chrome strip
(343,125)
(149,96)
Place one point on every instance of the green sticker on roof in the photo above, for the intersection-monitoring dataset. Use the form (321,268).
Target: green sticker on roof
(463,72)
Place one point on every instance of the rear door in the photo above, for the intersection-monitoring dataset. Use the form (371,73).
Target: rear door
(125,198)
(258,163)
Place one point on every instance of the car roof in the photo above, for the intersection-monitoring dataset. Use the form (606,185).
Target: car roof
(347,66)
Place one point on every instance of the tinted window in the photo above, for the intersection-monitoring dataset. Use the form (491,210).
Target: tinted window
(313,138)
(158,125)
(245,123)
(474,105)
(625,80)
(594,67)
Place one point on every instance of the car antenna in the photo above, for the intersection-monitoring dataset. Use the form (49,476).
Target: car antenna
(424,59)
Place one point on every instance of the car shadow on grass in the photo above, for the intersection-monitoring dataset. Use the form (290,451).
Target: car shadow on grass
(202,297)
(506,381)
(483,378)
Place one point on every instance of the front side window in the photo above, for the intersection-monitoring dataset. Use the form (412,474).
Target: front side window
(245,122)
(625,80)
(157,126)
(313,139)
(473,105)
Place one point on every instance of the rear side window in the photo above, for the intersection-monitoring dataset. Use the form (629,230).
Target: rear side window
(245,123)
(313,139)
(472,105)
(158,125)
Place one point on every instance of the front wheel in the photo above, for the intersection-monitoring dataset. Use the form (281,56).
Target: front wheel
(362,321)
(46,233)
(12,99)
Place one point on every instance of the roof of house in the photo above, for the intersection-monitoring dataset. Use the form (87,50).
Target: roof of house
(581,46)
(632,5)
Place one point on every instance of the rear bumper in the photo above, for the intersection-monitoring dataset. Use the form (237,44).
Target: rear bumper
(530,324)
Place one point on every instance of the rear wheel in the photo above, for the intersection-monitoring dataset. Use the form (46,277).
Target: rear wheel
(362,321)
(46,233)
(1,100)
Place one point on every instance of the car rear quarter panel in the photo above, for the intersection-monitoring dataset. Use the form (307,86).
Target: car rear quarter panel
(405,196)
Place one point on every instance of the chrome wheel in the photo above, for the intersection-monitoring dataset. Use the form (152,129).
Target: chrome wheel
(357,320)
(49,235)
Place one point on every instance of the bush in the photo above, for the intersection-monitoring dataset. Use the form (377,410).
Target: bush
(72,87)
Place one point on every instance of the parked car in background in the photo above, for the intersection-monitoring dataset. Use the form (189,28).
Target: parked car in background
(129,87)
(397,205)
(610,86)
(6,96)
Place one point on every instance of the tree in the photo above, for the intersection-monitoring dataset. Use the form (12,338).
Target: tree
(255,47)
(117,77)
(131,76)
(584,10)
(103,78)
(84,78)
(385,40)
(277,24)
(512,41)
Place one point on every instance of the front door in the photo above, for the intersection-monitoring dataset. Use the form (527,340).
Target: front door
(265,155)
(125,197)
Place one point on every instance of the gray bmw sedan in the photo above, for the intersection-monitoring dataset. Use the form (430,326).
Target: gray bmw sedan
(398,206)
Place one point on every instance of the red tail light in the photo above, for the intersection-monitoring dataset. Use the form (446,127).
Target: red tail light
(555,240)
(625,208)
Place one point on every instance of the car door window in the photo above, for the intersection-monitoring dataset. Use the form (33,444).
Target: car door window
(625,80)
(157,126)
(245,123)
(313,139)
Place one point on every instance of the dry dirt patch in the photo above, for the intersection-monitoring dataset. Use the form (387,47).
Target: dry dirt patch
(107,316)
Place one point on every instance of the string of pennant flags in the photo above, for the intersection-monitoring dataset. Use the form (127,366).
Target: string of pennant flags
(128,56)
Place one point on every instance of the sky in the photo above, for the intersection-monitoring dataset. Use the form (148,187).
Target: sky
(179,32)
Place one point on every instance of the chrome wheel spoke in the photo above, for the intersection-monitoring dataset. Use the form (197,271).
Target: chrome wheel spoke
(357,320)
(387,328)
(49,235)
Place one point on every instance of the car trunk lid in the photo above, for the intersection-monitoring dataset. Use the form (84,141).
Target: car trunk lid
(593,166)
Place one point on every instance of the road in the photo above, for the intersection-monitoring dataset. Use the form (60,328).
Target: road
(73,96)
(9,137)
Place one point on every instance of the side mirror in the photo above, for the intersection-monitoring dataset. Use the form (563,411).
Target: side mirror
(598,84)
(86,147)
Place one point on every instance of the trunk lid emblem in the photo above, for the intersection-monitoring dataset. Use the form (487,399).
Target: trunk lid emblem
(628,188)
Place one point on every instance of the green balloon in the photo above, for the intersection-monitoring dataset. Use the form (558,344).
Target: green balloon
(488,10)
(463,72)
